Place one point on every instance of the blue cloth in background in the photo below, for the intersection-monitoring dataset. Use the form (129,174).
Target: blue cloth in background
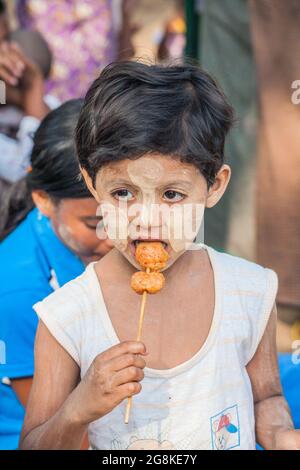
(289,366)
(290,380)
(33,262)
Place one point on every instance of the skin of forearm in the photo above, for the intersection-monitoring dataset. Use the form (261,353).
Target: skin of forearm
(33,101)
(63,431)
(125,50)
(272,415)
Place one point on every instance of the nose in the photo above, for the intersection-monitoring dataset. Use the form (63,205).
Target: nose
(149,214)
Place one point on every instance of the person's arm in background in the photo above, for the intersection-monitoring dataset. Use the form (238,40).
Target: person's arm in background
(273,422)
(16,70)
(25,86)
(32,87)
(128,30)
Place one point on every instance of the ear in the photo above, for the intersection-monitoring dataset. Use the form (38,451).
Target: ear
(219,186)
(43,202)
(89,183)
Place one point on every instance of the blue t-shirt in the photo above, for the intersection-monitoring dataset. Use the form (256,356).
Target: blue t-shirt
(289,368)
(33,262)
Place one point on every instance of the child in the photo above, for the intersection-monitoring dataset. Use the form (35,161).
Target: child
(205,375)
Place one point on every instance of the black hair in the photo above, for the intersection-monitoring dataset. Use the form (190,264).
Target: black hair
(35,47)
(54,168)
(132,109)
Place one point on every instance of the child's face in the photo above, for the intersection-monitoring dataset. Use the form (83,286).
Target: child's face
(154,197)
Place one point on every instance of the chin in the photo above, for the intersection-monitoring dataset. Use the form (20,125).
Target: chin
(90,259)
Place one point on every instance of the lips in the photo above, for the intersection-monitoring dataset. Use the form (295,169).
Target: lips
(145,240)
(134,243)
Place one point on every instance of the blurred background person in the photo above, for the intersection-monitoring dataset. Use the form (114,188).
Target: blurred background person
(25,63)
(48,230)
(83,36)
(86,35)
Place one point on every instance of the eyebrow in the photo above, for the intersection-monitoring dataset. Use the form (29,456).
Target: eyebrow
(120,181)
(117,181)
(185,183)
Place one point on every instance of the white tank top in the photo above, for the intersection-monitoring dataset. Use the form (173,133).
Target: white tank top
(203,403)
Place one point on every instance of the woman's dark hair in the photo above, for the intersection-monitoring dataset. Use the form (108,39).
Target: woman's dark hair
(54,168)
(132,109)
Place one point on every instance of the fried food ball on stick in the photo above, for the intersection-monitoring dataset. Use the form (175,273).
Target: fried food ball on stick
(147,282)
(152,256)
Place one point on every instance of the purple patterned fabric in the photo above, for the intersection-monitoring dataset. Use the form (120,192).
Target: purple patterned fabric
(81,36)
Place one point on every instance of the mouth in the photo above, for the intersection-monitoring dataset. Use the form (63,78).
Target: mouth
(134,243)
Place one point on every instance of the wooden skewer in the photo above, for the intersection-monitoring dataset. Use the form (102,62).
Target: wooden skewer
(139,335)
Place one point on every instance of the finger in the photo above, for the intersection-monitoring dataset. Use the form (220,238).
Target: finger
(7,62)
(12,49)
(130,374)
(133,347)
(19,63)
(18,53)
(7,77)
(126,360)
(127,390)
(14,45)
(12,64)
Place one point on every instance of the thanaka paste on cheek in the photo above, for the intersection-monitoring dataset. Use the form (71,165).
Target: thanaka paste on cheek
(145,216)
(115,219)
(67,235)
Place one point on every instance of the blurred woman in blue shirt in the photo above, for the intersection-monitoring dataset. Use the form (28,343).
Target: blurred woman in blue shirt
(48,230)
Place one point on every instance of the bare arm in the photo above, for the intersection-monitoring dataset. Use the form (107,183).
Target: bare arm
(47,424)
(274,426)
(126,46)
(22,389)
(60,406)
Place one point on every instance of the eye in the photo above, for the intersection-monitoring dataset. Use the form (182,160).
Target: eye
(93,225)
(173,196)
(122,195)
